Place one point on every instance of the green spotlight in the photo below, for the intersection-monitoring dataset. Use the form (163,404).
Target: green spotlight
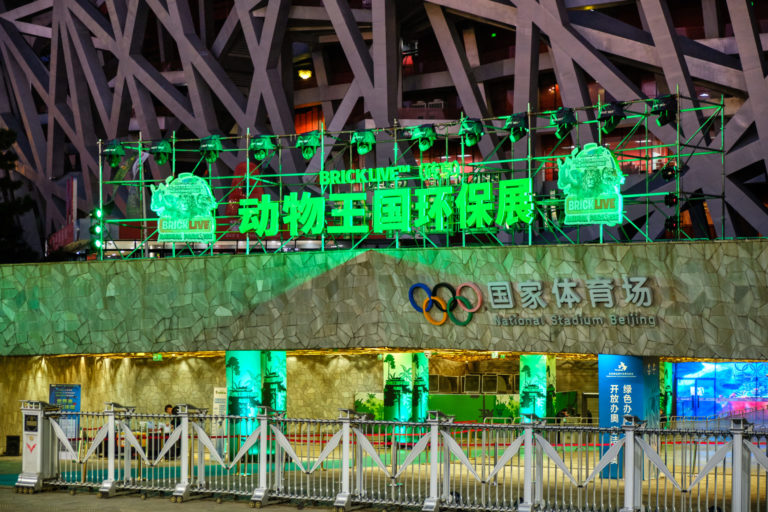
(114,152)
(471,131)
(210,147)
(565,119)
(665,107)
(610,116)
(97,228)
(261,146)
(425,134)
(161,151)
(364,141)
(517,124)
(308,144)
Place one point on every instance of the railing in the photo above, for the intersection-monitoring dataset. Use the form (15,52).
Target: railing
(437,464)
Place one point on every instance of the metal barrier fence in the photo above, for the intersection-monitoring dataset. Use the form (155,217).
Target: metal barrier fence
(437,464)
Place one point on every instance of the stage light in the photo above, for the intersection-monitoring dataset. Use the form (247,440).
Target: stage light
(471,131)
(97,228)
(565,119)
(308,144)
(665,107)
(114,152)
(611,114)
(210,147)
(670,199)
(425,134)
(161,151)
(671,224)
(364,141)
(261,146)
(669,171)
(517,124)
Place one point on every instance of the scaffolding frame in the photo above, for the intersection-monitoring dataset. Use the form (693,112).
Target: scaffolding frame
(647,154)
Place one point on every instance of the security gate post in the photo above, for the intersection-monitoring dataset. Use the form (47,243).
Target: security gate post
(344,498)
(528,460)
(633,467)
(39,460)
(741,461)
(261,493)
(181,491)
(432,503)
(108,486)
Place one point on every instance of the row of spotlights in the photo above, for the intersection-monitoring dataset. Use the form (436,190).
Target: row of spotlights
(470,131)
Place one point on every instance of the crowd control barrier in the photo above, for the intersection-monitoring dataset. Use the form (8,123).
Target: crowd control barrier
(352,460)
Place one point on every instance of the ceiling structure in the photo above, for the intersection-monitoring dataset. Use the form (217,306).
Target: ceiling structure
(76,71)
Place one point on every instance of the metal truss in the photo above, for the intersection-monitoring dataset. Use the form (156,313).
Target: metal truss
(76,71)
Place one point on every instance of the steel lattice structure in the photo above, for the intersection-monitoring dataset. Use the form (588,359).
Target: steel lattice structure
(76,71)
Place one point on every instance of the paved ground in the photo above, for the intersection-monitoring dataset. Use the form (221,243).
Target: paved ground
(61,501)
(84,501)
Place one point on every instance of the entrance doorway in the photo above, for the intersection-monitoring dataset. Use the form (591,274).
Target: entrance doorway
(696,397)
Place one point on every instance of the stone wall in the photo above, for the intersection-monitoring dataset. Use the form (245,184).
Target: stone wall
(143,383)
(708,300)
(318,386)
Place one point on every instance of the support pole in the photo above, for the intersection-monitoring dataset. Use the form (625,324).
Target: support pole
(107,488)
(101,198)
(741,461)
(528,460)
(261,494)
(432,503)
(344,498)
(181,491)
(633,467)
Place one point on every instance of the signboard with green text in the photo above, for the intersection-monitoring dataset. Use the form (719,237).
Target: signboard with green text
(446,202)
(591,180)
(185,208)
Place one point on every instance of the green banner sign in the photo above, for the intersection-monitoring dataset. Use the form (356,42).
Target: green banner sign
(591,180)
(478,206)
(185,207)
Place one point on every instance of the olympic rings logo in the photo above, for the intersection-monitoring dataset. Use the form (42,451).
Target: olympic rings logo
(447,307)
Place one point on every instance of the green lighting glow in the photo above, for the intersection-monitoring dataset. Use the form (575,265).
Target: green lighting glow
(114,152)
(517,124)
(184,205)
(364,141)
(161,150)
(471,131)
(434,209)
(591,180)
(425,134)
(262,146)
(308,144)
(210,147)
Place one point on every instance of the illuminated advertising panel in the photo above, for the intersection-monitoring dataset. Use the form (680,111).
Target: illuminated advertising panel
(591,180)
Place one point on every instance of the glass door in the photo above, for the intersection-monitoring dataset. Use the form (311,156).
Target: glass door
(696,398)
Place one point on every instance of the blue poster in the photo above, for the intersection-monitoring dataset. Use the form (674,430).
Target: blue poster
(67,397)
(628,386)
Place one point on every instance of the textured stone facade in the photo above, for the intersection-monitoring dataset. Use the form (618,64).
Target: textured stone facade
(709,300)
